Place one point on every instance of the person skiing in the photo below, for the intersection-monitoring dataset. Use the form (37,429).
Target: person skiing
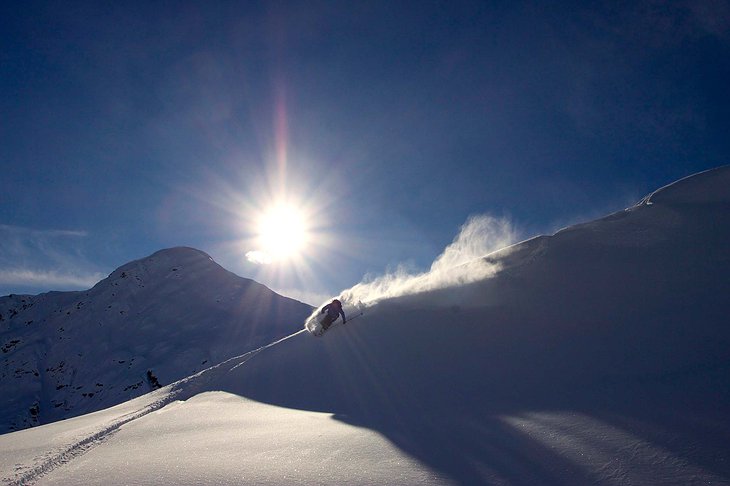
(332,311)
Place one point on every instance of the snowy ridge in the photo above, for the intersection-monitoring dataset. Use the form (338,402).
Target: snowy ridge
(710,186)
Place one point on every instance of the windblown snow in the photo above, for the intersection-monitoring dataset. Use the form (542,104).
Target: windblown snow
(597,355)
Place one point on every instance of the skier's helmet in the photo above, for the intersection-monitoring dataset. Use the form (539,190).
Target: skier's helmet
(337,303)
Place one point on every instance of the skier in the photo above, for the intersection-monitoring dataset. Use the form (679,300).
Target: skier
(333,310)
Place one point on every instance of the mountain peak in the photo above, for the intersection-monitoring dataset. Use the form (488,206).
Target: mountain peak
(179,255)
(162,316)
(166,263)
(180,252)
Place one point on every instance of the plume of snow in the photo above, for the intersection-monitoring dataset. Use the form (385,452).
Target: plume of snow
(460,263)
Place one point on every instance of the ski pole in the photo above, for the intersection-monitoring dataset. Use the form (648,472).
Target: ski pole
(356,316)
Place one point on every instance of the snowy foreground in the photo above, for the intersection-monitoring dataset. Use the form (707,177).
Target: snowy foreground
(596,355)
(209,438)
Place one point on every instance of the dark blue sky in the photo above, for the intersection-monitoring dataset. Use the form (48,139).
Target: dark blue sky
(128,128)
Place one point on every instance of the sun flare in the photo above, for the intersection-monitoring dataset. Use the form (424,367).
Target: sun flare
(282,232)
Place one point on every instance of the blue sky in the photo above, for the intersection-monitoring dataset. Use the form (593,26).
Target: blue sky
(133,127)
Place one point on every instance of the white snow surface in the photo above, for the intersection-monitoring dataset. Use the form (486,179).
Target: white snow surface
(598,355)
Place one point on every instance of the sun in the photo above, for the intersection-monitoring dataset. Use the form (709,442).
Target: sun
(282,232)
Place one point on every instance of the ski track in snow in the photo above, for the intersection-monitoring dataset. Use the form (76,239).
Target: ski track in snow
(180,390)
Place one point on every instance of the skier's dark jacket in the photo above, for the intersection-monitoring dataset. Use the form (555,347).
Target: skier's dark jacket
(334,311)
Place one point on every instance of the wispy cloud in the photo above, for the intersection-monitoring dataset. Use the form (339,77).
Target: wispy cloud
(20,230)
(44,259)
(44,278)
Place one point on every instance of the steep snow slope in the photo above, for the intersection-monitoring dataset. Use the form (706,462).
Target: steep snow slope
(596,355)
(622,322)
(635,295)
(151,322)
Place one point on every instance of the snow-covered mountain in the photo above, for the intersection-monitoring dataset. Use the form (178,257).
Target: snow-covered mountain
(598,355)
(151,322)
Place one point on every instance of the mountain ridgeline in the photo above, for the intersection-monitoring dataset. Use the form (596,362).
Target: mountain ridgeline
(151,322)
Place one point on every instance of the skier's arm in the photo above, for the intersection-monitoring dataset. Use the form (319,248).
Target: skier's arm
(344,319)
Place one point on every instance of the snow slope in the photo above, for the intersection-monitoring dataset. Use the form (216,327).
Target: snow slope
(152,321)
(595,355)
